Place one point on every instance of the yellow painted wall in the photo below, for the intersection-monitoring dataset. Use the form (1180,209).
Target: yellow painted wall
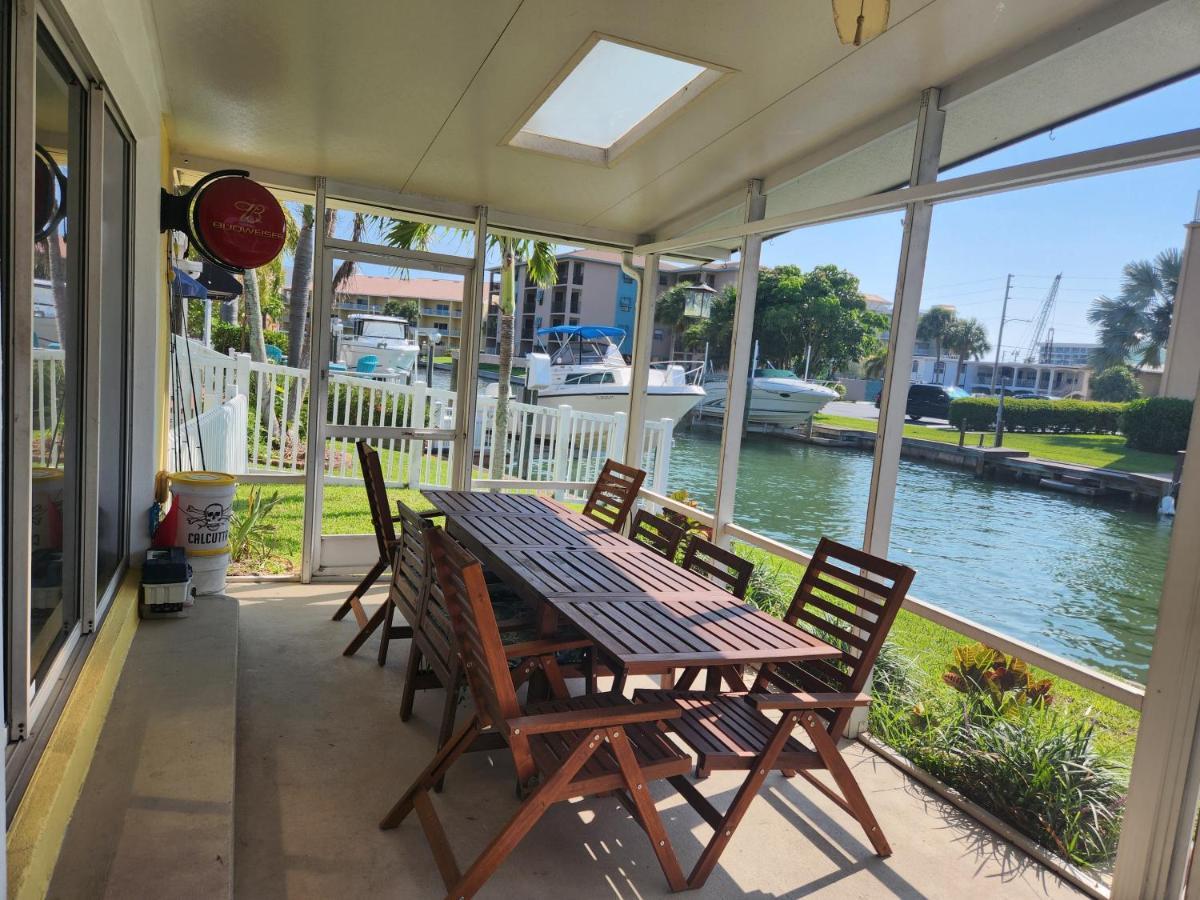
(36,834)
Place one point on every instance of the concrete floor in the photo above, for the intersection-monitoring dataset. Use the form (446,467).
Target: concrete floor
(322,755)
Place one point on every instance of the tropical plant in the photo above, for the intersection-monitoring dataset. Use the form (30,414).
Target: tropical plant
(302,263)
(669,311)
(1116,384)
(966,339)
(875,365)
(402,309)
(1136,324)
(1002,682)
(250,535)
(689,525)
(934,326)
(540,269)
(262,290)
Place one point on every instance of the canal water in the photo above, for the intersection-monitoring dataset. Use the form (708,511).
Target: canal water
(1080,578)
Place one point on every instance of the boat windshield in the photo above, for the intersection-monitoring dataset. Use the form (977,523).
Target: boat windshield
(774,373)
(580,352)
(378,329)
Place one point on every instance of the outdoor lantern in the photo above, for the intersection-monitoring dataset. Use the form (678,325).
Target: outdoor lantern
(860,20)
(698,300)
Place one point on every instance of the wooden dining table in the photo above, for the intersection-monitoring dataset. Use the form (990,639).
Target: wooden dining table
(644,614)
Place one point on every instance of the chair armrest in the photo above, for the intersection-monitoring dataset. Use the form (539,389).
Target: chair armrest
(544,646)
(807,701)
(581,719)
(431,514)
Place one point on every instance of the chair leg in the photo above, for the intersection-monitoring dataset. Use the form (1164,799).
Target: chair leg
(741,802)
(526,816)
(666,681)
(712,679)
(368,628)
(409,691)
(354,601)
(446,729)
(386,637)
(686,678)
(639,793)
(825,746)
(442,760)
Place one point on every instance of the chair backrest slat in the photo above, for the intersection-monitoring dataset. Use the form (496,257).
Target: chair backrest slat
(477,638)
(656,533)
(412,567)
(614,494)
(849,599)
(381,515)
(720,566)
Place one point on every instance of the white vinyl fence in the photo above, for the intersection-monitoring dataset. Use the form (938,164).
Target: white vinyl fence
(552,444)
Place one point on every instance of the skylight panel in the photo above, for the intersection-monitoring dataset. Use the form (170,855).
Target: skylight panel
(611,94)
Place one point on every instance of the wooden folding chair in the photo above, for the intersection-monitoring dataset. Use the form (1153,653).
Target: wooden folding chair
(729,572)
(656,533)
(385,536)
(411,578)
(847,598)
(563,748)
(614,494)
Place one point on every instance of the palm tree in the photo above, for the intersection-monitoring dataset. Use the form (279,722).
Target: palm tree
(933,325)
(1137,322)
(875,365)
(252,289)
(967,339)
(540,269)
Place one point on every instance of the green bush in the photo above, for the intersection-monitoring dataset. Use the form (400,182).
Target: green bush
(1021,761)
(1042,416)
(1116,385)
(1158,424)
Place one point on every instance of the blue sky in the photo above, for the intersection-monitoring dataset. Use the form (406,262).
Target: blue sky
(1087,229)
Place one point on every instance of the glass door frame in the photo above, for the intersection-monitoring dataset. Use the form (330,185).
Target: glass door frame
(327,248)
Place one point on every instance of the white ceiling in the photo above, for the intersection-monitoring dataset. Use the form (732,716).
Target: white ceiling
(418,95)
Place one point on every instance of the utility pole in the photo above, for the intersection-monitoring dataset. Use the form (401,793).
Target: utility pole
(996,368)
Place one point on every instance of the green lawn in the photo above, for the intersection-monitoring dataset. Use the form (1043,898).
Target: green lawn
(1104,451)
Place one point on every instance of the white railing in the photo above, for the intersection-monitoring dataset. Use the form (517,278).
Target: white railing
(47,385)
(541,444)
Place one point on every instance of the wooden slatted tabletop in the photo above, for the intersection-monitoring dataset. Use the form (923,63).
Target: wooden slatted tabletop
(642,611)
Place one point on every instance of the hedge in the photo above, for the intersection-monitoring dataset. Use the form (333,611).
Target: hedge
(1050,416)
(1159,424)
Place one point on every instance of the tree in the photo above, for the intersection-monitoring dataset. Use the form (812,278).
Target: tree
(933,326)
(540,269)
(795,310)
(302,262)
(402,309)
(875,365)
(669,311)
(1116,384)
(262,290)
(1137,322)
(966,339)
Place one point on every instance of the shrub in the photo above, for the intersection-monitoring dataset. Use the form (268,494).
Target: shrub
(1050,416)
(251,537)
(1036,770)
(1158,424)
(1000,682)
(1116,385)
(840,389)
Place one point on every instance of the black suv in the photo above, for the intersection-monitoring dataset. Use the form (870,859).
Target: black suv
(929,401)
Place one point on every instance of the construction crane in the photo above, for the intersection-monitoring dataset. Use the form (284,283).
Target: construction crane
(1043,319)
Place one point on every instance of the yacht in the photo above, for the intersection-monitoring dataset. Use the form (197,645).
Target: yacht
(384,337)
(582,367)
(778,397)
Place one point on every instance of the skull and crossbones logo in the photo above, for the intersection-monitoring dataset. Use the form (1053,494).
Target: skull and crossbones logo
(213,517)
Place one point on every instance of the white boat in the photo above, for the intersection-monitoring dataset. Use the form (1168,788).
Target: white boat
(582,367)
(778,397)
(384,337)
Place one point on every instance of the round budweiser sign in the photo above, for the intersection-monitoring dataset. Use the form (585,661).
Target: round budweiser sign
(239,222)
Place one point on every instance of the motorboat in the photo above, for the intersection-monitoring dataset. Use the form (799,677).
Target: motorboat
(581,366)
(778,397)
(386,338)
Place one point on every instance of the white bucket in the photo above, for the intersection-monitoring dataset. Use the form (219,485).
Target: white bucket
(204,501)
(208,572)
